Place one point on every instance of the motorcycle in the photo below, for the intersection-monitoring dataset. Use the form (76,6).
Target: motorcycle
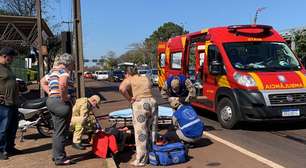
(34,113)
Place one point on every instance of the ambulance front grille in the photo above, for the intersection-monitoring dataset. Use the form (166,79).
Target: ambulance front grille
(287,98)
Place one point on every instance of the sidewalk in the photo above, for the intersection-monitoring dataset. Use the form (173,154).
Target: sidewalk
(37,153)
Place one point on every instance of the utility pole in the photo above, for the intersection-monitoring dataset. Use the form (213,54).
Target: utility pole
(40,41)
(78,48)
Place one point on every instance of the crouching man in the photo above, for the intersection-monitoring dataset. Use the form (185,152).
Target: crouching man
(189,127)
(83,119)
(178,87)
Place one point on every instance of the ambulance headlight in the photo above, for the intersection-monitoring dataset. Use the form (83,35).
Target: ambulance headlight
(244,80)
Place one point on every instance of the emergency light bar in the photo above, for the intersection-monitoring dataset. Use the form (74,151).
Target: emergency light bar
(243,29)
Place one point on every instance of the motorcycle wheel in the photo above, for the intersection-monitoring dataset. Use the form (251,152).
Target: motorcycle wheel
(45,125)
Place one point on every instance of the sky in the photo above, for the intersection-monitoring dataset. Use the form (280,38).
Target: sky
(112,25)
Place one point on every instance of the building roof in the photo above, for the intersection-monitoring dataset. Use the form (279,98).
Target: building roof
(21,31)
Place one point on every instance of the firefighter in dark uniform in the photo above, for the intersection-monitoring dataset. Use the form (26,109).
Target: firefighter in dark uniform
(178,88)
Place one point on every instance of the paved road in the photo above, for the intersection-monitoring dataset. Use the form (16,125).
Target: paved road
(282,143)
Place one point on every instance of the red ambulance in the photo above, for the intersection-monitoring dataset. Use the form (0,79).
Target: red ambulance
(241,72)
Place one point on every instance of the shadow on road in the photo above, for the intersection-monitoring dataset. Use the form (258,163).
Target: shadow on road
(207,114)
(34,136)
(257,126)
(273,126)
(125,156)
(82,156)
(105,89)
(113,101)
(203,142)
(40,148)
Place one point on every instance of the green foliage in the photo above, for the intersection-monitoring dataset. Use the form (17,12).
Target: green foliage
(145,52)
(110,60)
(32,75)
(300,43)
(18,67)
(163,33)
(166,31)
(134,56)
(137,54)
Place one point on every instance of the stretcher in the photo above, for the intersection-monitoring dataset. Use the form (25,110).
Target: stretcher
(124,116)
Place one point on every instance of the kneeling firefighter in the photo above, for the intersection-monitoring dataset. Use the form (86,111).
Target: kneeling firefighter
(83,119)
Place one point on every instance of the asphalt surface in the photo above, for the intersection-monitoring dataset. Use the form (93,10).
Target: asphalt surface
(282,143)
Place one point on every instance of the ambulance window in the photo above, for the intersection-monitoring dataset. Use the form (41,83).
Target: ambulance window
(192,62)
(213,53)
(202,58)
(176,60)
(162,60)
(192,57)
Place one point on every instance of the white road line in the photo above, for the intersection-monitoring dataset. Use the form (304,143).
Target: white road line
(244,151)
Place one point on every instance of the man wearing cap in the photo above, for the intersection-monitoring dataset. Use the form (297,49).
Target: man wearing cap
(178,89)
(83,118)
(8,109)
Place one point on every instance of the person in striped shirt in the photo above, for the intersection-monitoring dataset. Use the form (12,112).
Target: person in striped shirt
(59,87)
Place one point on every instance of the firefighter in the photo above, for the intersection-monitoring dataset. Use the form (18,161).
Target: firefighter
(138,91)
(83,119)
(178,87)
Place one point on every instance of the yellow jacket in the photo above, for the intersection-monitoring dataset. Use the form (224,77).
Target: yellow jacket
(82,111)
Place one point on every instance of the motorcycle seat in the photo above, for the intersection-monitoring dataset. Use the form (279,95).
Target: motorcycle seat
(34,104)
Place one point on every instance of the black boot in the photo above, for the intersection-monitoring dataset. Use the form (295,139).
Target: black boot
(3,156)
(78,146)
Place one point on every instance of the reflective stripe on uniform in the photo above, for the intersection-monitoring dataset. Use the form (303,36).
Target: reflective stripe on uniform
(191,123)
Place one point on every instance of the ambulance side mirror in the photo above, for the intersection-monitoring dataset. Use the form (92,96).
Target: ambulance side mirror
(216,68)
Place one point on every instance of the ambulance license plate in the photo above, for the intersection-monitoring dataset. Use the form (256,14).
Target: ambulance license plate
(290,112)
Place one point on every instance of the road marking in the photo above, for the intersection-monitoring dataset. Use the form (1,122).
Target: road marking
(244,151)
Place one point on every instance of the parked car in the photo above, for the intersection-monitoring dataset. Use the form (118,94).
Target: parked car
(94,75)
(102,75)
(88,75)
(144,72)
(154,76)
(116,76)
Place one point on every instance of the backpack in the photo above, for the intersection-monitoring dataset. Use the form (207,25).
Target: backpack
(168,154)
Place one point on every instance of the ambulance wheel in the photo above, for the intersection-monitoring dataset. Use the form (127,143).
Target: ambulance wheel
(226,113)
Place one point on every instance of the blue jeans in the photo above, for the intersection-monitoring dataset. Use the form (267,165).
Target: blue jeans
(8,127)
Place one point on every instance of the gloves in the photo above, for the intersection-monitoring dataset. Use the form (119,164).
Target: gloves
(185,100)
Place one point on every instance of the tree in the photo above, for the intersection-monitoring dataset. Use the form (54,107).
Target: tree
(4,12)
(19,7)
(300,43)
(54,47)
(110,60)
(163,33)
(25,8)
(136,54)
